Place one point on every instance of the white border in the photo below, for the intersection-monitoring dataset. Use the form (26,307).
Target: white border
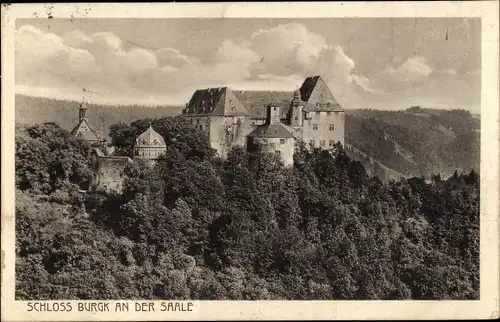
(486,307)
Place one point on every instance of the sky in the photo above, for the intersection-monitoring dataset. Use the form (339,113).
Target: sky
(381,63)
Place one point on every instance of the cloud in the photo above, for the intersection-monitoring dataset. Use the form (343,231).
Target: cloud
(413,69)
(287,49)
(272,59)
(173,58)
(141,60)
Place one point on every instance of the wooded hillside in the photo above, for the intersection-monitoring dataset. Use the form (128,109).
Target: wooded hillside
(417,142)
(197,227)
(65,113)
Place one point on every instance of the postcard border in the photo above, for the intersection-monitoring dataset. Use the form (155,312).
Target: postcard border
(486,307)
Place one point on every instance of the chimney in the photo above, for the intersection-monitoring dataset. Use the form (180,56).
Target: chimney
(273,114)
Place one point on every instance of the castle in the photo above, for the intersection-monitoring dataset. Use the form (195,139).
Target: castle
(241,118)
(269,122)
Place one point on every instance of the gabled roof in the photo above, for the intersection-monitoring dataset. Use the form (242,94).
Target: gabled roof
(150,138)
(223,101)
(318,96)
(307,87)
(215,101)
(84,130)
(256,102)
(272,131)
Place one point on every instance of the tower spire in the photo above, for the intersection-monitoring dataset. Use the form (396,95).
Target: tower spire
(82,111)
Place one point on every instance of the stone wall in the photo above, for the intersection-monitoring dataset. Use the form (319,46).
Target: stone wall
(372,166)
(224,132)
(110,174)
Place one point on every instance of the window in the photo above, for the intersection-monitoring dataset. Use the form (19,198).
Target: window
(282,141)
(331,143)
(296,118)
(322,143)
(201,127)
(197,121)
(311,142)
(278,153)
(328,113)
(332,127)
(315,126)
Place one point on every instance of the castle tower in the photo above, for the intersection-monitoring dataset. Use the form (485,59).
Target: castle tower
(85,131)
(82,111)
(273,115)
(296,108)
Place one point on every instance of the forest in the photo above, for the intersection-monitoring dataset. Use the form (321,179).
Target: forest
(417,141)
(31,110)
(196,227)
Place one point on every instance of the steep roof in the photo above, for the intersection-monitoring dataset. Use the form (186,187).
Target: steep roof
(223,101)
(150,138)
(84,130)
(256,102)
(215,101)
(307,87)
(271,131)
(318,96)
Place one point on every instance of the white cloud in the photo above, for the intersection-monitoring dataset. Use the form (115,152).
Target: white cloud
(275,59)
(287,49)
(173,58)
(141,60)
(413,69)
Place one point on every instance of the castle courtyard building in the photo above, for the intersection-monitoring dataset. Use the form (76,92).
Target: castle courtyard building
(150,145)
(268,121)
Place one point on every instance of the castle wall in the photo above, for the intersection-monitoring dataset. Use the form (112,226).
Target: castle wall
(284,146)
(110,174)
(224,132)
(372,166)
(323,128)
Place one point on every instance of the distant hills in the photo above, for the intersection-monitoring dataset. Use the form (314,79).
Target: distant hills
(65,113)
(417,141)
(413,142)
